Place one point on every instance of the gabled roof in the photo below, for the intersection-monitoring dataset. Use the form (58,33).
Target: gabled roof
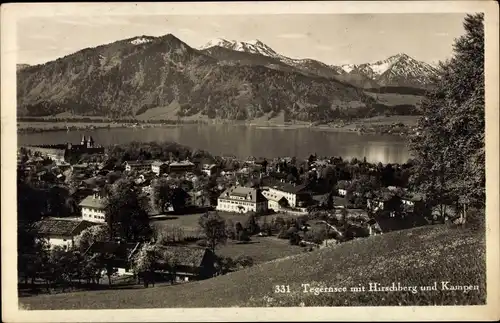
(250,194)
(61,227)
(93,202)
(415,197)
(159,163)
(139,162)
(273,197)
(288,188)
(121,250)
(181,163)
(183,256)
(209,166)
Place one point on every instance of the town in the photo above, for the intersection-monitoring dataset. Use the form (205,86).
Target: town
(312,203)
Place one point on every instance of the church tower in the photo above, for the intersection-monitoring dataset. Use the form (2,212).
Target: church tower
(90,142)
(84,141)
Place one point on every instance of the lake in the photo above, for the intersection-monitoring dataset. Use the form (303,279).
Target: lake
(243,141)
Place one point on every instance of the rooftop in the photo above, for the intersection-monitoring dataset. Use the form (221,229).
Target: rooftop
(182,163)
(244,192)
(183,256)
(122,250)
(158,163)
(93,202)
(61,227)
(288,188)
(139,162)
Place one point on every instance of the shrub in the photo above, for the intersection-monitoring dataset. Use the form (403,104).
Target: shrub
(202,243)
(294,239)
(282,233)
(244,261)
(243,236)
(317,235)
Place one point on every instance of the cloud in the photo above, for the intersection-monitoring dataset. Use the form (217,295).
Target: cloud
(292,36)
(186,31)
(98,21)
(41,37)
(324,47)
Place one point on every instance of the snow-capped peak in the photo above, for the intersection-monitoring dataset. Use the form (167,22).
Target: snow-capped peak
(253,46)
(399,68)
(218,42)
(140,40)
(255,42)
(380,67)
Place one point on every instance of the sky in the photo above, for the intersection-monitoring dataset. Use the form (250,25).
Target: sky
(331,38)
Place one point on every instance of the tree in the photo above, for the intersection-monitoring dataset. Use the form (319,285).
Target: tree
(243,236)
(214,228)
(251,225)
(91,268)
(448,148)
(60,268)
(108,264)
(178,199)
(162,194)
(294,238)
(145,262)
(126,211)
(31,263)
(238,227)
(230,230)
(90,235)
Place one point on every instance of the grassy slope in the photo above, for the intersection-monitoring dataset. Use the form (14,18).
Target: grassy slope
(419,256)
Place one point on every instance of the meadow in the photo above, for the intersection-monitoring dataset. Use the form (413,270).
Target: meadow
(260,249)
(416,257)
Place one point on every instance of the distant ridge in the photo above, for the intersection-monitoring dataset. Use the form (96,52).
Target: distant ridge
(224,80)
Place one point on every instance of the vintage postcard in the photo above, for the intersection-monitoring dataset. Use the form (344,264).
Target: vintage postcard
(275,161)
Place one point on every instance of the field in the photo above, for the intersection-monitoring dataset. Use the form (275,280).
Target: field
(189,222)
(417,257)
(392,99)
(261,249)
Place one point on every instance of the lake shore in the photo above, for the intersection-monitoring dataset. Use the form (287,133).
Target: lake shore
(394,125)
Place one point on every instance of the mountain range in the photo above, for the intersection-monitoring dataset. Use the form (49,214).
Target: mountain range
(223,79)
(397,70)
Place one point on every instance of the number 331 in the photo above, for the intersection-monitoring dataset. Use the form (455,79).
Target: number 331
(282,289)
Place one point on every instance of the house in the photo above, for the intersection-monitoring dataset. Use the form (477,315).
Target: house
(414,201)
(159,167)
(198,199)
(209,169)
(81,193)
(275,202)
(184,263)
(386,222)
(190,263)
(138,166)
(296,195)
(61,232)
(94,182)
(122,254)
(242,199)
(93,208)
(80,169)
(342,187)
(181,167)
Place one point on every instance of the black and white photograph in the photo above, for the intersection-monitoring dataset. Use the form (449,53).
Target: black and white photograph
(323,158)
